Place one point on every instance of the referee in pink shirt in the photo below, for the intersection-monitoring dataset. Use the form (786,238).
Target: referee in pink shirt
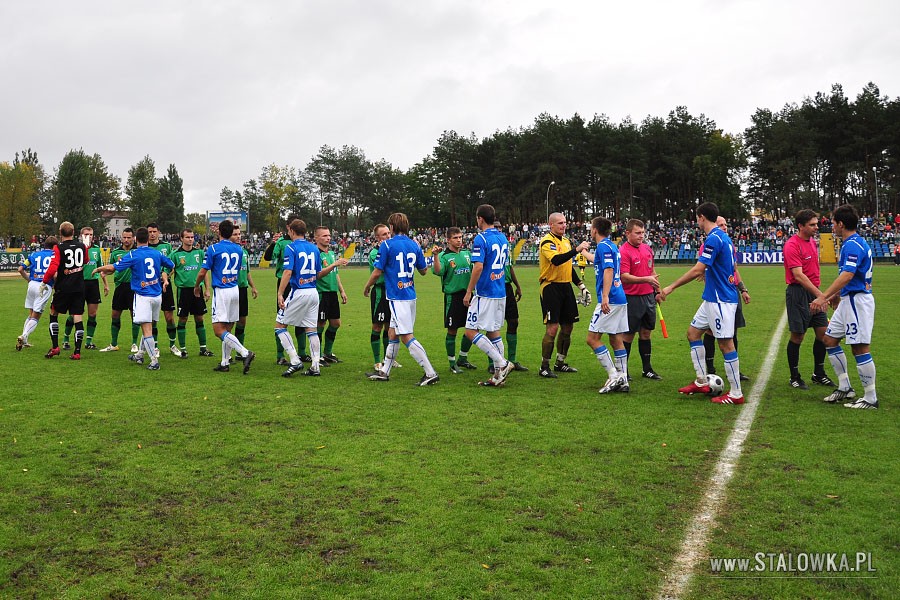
(641,283)
(801,273)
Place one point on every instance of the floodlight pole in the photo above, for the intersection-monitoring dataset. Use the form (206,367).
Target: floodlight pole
(877,218)
(552,183)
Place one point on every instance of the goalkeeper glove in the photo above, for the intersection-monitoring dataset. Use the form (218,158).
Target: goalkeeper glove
(585,295)
(43,289)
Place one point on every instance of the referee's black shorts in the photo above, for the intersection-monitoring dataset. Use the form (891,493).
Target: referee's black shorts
(641,312)
(797,300)
(739,315)
(558,303)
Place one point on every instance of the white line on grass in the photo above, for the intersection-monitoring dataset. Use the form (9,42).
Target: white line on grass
(679,576)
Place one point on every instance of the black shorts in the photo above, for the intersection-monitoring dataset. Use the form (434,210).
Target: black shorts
(512,307)
(797,300)
(381,309)
(168,299)
(92,291)
(71,303)
(558,303)
(243,302)
(189,304)
(739,314)
(641,312)
(455,311)
(123,297)
(329,306)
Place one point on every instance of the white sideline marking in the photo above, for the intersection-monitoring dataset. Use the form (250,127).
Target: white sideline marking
(679,576)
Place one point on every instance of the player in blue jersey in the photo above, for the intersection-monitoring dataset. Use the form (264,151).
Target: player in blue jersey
(148,280)
(223,262)
(487,306)
(298,297)
(399,258)
(854,314)
(717,311)
(36,299)
(611,313)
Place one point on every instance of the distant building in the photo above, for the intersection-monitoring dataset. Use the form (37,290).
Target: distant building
(115,222)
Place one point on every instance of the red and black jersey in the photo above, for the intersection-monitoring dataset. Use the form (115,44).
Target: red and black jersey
(68,261)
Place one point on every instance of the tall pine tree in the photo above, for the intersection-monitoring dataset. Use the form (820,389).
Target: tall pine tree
(170,210)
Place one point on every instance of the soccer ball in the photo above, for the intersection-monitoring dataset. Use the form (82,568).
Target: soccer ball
(715,383)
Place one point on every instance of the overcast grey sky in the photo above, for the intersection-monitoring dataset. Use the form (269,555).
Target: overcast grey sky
(223,88)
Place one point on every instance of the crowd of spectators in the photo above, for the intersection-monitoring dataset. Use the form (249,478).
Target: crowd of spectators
(770,234)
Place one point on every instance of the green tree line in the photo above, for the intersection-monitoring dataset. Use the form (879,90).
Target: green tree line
(826,151)
(822,152)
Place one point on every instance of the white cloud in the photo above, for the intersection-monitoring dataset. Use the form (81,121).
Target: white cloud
(221,89)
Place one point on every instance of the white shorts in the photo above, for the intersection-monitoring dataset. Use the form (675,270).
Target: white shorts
(616,321)
(145,309)
(853,319)
(226,305)
(718,317)
(403,316)
(34,300)
(301,308)
(486,314)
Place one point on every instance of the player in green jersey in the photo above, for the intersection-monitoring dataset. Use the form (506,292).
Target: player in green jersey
(329,286)
(188,260)
(454,266)
(274,253)
(123,297)
(91,290)
(245,282)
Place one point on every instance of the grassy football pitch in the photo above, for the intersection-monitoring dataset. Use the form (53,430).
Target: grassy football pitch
(117,482)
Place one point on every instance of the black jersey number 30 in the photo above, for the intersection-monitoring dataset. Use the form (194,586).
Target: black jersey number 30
(74,257)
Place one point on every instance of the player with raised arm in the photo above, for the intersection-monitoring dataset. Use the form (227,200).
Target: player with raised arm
(168,295)
(487,306)
(223,261)
(67,265)
(123,297)
(274,253)
(188,260)
(91,291)
(709,340)
(36,298)
(611,313)
(149,270)
(453,265)
(381,308)
(558,304)
(854,314)
(717,309)
(298,297)
(399,258)
(329,287)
